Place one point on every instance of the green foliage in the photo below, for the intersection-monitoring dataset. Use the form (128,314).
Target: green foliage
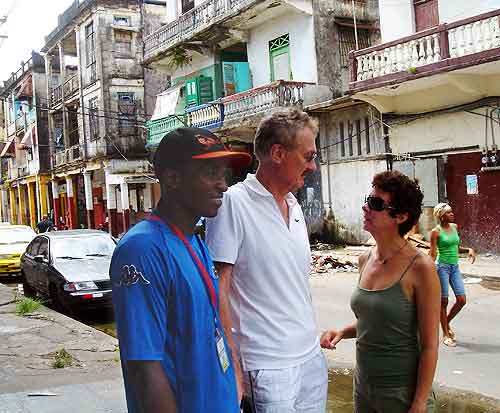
(412,70)
(177,58)
(62,359)
(27,306)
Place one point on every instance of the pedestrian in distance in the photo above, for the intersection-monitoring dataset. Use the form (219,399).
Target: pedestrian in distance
(396,304)
(45,225)
(260,244)
(445,247)
(174,355)
(132,216)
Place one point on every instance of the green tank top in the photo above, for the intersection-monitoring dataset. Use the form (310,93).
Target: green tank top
(448,246)
(387,345)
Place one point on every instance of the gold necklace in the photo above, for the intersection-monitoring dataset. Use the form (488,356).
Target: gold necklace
(383,261)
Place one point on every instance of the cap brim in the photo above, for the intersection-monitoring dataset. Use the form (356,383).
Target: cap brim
(235,159)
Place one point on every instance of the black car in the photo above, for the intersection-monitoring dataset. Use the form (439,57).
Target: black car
(71,268)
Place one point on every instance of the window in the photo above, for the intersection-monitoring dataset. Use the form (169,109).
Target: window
(90,43)
(44,248)
(127,114)
(358,135)
(33,247)
(93,119)
(367,135)
(347,42)
(426,14)
(187,5)
(350,132)
(121,21)
(342,143)
(279,58)
(123,42)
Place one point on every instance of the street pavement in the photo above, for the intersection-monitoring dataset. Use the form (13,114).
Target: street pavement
(473,365)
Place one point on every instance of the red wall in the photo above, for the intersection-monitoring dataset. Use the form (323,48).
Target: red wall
(477,216)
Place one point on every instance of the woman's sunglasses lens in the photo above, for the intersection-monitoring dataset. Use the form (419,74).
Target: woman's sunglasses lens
(377,204)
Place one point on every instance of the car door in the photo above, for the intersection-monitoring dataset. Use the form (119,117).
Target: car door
(42,268)
(28,264)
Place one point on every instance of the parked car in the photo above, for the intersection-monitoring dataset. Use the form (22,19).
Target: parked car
(71,268)
(13,242)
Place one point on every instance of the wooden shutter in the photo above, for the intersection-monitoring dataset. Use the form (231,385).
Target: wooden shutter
(426,14)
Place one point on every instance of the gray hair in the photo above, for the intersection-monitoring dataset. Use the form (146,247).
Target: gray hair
(281,128)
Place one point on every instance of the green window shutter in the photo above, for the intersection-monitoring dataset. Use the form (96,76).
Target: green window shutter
(279,58)
(205,90)
(191,92)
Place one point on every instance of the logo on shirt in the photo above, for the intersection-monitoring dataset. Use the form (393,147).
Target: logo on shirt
(130,276)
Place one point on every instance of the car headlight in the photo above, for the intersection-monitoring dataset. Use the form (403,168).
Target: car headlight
(79,286)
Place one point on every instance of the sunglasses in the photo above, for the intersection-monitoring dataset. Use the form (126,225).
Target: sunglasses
(376,203)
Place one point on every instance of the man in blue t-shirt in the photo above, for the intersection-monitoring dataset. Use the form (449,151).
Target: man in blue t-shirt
(175,357)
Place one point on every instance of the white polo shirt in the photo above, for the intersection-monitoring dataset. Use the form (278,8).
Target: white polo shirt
(273,318)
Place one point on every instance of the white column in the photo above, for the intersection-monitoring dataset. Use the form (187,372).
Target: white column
(147,198)
(69,187)
(110,196)
(55,189)
(124,196)
(87,180)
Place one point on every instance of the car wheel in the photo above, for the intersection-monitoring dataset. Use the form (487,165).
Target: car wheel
(28,290)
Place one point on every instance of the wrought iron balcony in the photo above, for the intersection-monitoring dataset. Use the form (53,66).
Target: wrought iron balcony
(446,47)
(71,86)
(66,156)
(56,95)
(194,21)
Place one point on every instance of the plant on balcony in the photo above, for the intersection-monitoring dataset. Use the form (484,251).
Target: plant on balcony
(177,58)
(412,70)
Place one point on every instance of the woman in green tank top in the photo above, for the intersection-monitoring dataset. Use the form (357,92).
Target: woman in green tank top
(396,304)
(444,251)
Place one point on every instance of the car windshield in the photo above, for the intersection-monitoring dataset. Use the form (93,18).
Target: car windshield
(15,236)
(82,247)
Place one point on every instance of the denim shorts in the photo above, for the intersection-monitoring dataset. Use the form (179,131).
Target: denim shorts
(449,274)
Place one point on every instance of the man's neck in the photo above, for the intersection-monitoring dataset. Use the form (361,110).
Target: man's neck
(267,178)
(175,214)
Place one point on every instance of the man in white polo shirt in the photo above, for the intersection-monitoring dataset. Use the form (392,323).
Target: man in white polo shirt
(260,245)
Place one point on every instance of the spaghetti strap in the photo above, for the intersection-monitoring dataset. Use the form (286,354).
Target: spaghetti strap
(409,265)
(364,266)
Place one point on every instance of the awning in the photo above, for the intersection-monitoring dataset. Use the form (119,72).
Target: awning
(29,138)
(166,102)
(8,150)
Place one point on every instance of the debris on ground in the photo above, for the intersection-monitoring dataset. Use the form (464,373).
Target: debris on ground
(325,263)
(320,246)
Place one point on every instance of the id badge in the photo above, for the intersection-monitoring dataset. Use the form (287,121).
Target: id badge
(221,350)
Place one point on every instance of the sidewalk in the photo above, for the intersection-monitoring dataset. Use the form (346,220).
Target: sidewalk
(29,383)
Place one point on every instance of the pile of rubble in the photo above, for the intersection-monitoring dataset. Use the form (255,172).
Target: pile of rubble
(325,263)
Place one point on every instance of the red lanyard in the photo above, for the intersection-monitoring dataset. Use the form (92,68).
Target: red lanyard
(203,272)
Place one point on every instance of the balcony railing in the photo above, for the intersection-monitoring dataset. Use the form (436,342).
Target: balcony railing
(209,115)
(71,86)
(280,93)
(194,21)
(444,46)
(67,155)
(22,122)
(158,128)
(56,95)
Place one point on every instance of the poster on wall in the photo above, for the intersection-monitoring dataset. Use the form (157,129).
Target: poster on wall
(471,182)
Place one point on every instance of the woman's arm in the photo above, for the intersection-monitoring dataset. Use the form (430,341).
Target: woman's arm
(330,338)
(469,251)
(428,302)
(434,239)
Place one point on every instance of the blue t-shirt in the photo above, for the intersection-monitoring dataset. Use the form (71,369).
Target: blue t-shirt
(163,312)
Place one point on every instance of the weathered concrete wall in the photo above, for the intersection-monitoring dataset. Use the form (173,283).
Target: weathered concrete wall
(396,19)
(300,27)
(440,131)
(453,10)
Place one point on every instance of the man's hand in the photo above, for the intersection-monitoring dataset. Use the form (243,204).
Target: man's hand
(418,407)
(329,339)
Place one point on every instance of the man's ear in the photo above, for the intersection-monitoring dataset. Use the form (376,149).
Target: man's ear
(171,179)
(277,153)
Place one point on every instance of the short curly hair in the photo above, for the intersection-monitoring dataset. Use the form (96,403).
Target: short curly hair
(406,197)
(281,128)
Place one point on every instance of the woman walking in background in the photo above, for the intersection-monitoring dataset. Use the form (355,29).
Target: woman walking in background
(396,304)
(444,251)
